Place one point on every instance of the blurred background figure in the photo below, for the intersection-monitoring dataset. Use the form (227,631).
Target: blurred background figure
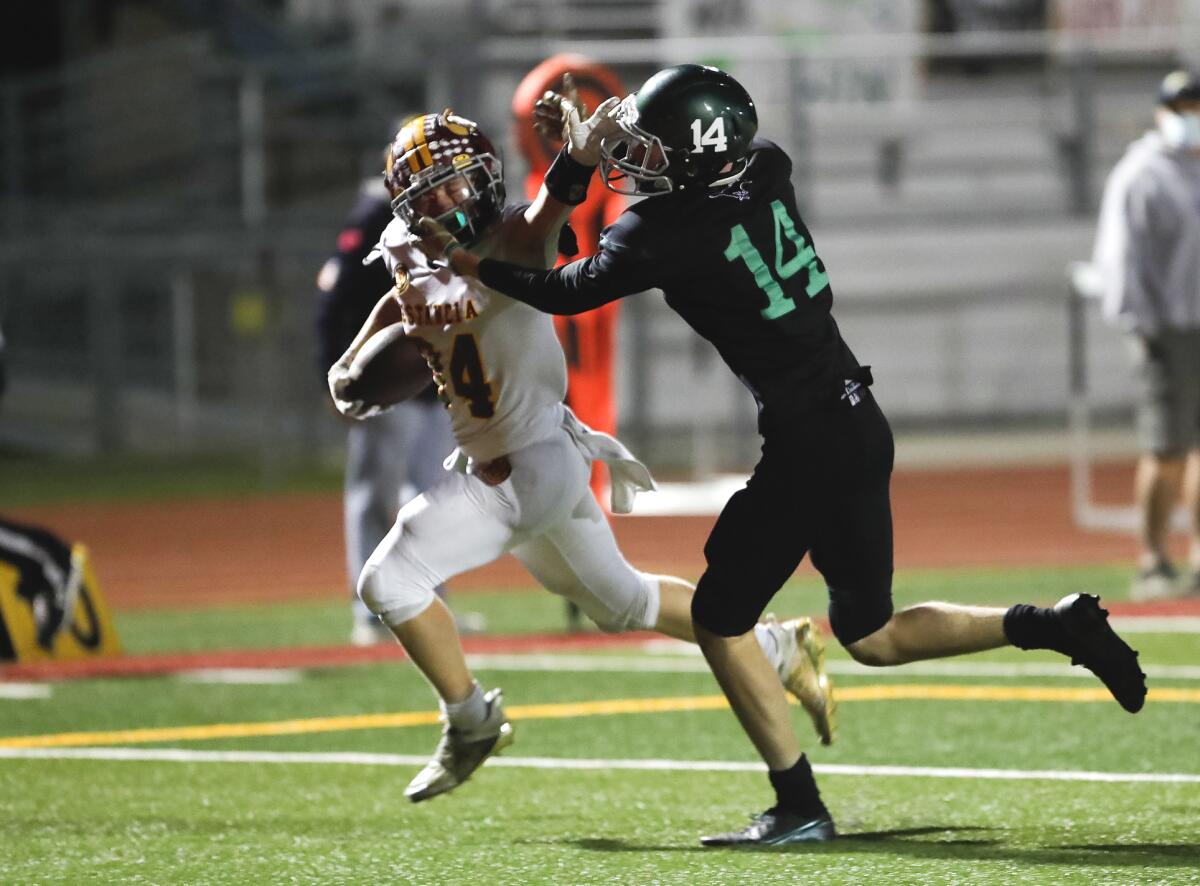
(589,340)
(394,456)
(1148,251)
(3,377)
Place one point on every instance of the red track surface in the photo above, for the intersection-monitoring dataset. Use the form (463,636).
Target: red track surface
(180,554)
(288,548)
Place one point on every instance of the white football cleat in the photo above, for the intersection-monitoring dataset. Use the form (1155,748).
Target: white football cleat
(801,669)
(460,752)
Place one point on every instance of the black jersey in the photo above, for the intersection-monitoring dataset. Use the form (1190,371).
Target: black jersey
(348,289)
(738,264)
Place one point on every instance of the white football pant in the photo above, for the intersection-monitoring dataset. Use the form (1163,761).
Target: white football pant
(544,514)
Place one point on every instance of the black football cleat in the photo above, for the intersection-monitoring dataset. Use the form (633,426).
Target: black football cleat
(1095,645)
(777,827)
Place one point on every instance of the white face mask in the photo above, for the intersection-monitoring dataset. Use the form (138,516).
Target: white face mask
(1180,131)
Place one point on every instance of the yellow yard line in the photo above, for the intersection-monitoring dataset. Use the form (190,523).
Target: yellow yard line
(222,730)
(617,706)
(572,709)
(362,721)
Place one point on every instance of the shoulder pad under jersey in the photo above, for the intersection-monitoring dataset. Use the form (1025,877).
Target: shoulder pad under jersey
(396,237)
(769,156)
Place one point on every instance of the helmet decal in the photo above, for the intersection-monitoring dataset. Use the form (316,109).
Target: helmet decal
(457,125)
(714,135)
(414,138)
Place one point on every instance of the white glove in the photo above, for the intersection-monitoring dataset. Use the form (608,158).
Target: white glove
(339,377)
(583,137)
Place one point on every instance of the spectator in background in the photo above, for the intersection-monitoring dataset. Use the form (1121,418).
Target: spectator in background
(396,455)
(589,340)
(1148,252)
(3,375)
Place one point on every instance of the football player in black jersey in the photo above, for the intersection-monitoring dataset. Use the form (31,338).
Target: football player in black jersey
(722,238)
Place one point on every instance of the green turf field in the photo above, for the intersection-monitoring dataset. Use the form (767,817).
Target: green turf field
(31,480)
(334,812)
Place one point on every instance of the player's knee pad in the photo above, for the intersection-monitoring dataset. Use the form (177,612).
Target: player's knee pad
(395,587)
(640,612)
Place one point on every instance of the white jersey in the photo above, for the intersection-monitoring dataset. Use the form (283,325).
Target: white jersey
(498,363)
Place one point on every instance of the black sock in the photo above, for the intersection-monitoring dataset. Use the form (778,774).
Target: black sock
(1035,627)
(796,790)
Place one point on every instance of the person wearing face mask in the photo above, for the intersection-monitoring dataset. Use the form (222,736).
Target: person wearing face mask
(1148,252)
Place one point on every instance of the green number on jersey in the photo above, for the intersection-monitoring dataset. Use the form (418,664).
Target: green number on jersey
(467,375)
(740,247)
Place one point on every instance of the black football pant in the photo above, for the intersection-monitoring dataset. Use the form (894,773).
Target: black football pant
(819,489)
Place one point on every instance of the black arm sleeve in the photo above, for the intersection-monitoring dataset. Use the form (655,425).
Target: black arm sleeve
(621,267)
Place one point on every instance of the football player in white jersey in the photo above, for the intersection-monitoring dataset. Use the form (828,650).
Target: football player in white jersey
(519,480)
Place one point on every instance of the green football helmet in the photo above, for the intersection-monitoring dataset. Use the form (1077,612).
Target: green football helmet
(688,126)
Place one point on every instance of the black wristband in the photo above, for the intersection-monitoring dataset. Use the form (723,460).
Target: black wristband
(567,179)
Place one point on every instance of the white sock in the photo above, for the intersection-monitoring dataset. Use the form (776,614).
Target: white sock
(471,711)
(768,643)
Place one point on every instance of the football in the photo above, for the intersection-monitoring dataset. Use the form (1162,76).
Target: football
(388,369)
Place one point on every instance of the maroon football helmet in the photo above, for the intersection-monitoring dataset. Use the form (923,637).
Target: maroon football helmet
(442,166)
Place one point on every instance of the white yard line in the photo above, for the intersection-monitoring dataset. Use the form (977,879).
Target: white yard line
(1002,669)
(181,755)
(538,661)
(696,665)
(1126,624)
(24,691)
(1156,624)
(247,676)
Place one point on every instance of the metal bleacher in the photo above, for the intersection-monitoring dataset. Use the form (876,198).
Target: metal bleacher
(166,188)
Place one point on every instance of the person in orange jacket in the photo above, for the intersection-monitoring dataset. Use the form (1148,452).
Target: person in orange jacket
(589,340)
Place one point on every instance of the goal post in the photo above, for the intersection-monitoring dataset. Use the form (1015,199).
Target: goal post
(1084,288)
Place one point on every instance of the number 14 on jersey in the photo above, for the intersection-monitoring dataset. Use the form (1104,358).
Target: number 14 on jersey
(740,247)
